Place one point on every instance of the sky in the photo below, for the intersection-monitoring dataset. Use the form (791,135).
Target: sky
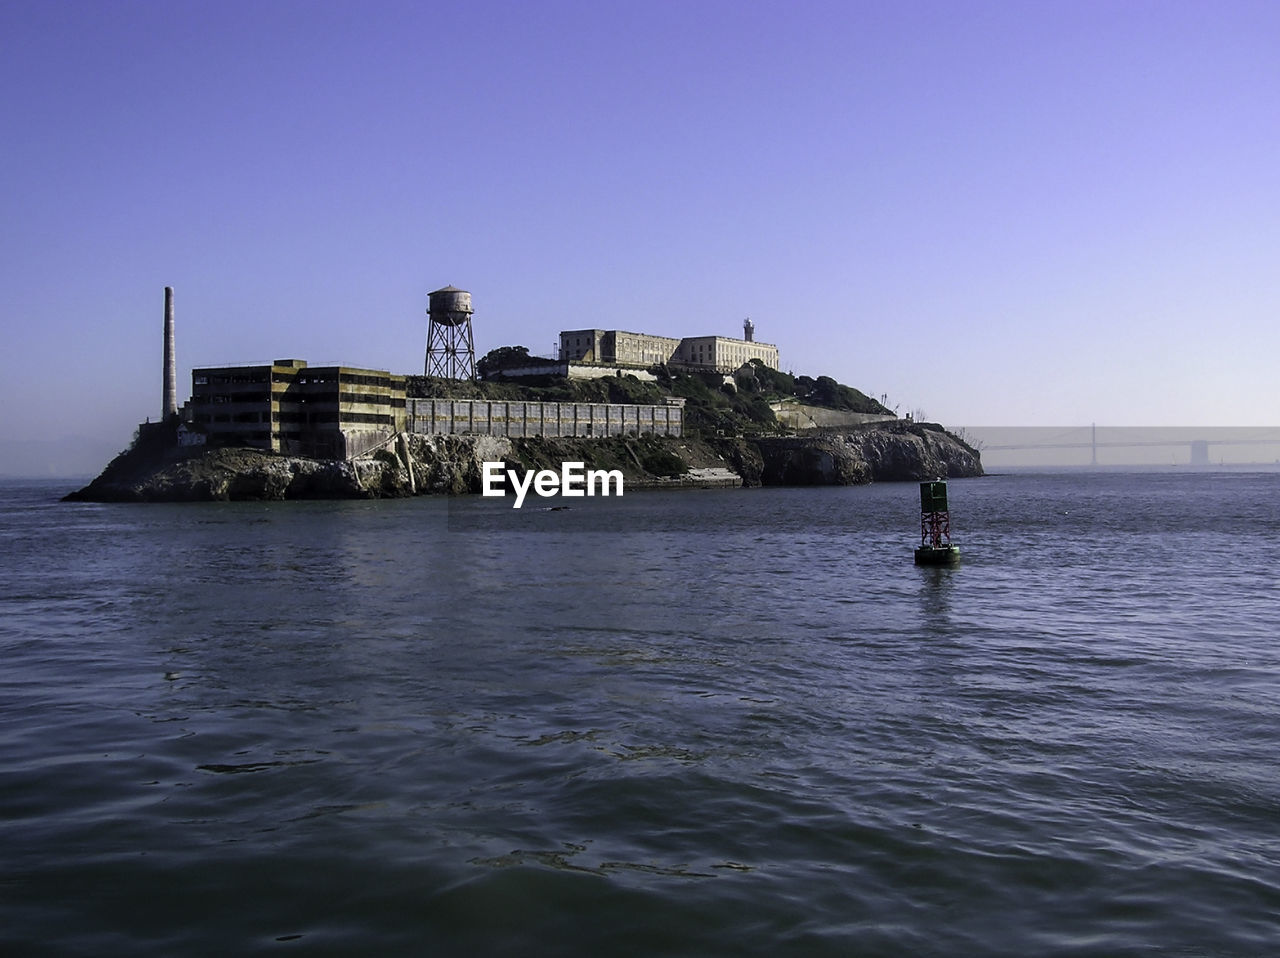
(990,213)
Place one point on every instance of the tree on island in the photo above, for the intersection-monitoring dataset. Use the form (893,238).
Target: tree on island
(504,357)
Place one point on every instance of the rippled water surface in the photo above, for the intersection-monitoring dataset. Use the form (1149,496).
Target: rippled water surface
(699,723)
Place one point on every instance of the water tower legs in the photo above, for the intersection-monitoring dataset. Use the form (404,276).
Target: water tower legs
(451,352)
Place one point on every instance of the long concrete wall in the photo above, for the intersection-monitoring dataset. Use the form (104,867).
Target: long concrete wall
(484,417)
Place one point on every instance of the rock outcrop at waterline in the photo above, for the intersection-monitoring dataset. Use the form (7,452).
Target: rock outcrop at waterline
(890,452)
(453,465)
(436,464)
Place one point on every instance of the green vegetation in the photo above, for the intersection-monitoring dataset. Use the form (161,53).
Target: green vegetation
(755,376)
(611,389)
(504,357)
(657,459)
(714,406)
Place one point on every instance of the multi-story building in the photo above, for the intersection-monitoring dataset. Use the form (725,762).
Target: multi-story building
(723,353)
(337,412)
(290,407)
(616,347)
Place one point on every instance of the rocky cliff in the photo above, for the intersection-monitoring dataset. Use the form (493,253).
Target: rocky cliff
(435,464)
(416,465)
(888,452)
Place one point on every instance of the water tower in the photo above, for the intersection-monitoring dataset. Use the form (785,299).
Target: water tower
(451,352)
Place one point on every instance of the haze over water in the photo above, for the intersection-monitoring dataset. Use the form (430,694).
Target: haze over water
(1121,446)
(715,723)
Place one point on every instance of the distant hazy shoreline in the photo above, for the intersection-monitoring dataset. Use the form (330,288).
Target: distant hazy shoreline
(1125,446)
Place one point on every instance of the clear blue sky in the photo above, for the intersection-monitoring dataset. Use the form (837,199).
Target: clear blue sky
(998,213)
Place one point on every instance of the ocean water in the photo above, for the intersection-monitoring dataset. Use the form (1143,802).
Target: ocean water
(734,722)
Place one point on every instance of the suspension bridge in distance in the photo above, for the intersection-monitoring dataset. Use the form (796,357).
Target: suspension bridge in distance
(1128,445)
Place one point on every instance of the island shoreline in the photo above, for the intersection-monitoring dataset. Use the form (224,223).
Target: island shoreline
(157,469)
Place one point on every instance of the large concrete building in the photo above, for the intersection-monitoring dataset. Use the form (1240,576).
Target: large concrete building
(616,347)
(723,353)
(337,412)
(290,407)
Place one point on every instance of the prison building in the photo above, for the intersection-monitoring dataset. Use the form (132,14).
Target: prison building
(326,411)
(616,347)
(722,354)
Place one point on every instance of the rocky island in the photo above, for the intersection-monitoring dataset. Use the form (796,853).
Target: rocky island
(737,431)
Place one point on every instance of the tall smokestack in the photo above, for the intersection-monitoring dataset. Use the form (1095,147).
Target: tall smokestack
(170,365)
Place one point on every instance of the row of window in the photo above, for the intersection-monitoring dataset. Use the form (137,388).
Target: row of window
(333,416)
(247,417)
(642,350)
(220,398)
(364,399)
(360,399)
(205,378)
(316,418)
(228,379)
(381,382)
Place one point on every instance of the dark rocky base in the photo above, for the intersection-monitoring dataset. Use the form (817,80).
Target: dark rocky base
(887,452)
(159,472)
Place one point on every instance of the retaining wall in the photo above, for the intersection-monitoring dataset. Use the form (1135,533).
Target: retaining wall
(484,417)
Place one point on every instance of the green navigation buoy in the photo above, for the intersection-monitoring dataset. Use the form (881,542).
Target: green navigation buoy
(936,547)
